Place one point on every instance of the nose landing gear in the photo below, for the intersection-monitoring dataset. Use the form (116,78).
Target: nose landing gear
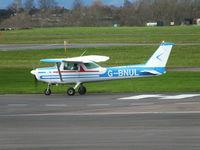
(48,90)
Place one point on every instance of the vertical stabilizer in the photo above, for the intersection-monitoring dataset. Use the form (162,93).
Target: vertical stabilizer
(160,57)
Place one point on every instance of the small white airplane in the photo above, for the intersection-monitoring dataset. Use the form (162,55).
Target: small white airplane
(83,69)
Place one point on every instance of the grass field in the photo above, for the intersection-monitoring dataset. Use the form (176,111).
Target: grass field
(15,66)
(176,34)
(15,69)
(194,30)
(181,56)
(21,81)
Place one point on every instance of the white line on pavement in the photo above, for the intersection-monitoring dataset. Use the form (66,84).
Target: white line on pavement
(140,96)
(56,105)
(181,96)
(17,105)
(98,105)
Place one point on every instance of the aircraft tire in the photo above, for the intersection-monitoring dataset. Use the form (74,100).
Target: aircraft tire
(47,92)
(70,91)
(82,90)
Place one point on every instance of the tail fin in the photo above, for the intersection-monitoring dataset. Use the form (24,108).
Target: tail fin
(160,57)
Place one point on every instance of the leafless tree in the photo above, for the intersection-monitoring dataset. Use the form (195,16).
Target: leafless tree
(29,4)
(77,4)
(132,13)
(45,4)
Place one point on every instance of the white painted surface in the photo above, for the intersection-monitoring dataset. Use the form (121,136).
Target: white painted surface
(181,96)
(98,104)
(55,105)
(140,96)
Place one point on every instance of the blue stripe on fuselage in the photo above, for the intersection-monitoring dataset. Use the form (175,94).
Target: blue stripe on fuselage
(49,68)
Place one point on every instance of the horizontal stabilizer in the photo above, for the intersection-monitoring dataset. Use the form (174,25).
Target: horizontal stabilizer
(154,72)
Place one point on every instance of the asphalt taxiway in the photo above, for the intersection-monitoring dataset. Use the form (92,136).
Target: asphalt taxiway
(101,121)
(14,47)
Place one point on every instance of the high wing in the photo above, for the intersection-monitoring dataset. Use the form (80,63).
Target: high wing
(81,59)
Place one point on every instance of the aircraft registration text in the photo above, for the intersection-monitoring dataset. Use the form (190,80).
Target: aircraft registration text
(122,73)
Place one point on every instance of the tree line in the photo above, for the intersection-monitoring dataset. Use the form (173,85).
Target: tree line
(47,13)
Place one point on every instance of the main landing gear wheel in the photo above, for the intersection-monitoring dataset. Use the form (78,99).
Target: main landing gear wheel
(82,90)
(47,92)
(71,91)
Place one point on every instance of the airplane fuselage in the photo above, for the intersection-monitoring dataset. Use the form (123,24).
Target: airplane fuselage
(83,75)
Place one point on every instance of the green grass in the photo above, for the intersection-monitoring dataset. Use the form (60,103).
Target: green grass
(102,39)
(15,66)
(181,56)
(177,34)
(108,30)
(21,81)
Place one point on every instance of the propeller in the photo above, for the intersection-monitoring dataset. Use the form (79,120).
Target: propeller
(34,78)
(35,81)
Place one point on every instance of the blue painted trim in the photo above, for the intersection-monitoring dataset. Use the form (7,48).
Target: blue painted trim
(49,68)
(50,60)
(164,44)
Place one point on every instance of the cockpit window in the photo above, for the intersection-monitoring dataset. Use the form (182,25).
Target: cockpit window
(70,66)
(91,65)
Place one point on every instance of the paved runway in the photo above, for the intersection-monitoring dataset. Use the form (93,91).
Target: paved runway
(101,121)
(13,47)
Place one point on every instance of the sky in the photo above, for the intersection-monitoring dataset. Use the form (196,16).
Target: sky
(69,3)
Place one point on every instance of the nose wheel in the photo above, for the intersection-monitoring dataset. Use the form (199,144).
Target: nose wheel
(48,90)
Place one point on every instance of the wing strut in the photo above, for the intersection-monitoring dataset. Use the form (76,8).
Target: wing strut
(58,67)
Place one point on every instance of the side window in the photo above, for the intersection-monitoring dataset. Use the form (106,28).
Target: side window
(70,66)
(91,65)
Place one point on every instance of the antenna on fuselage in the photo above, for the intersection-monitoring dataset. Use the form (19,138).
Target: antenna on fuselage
(83,52)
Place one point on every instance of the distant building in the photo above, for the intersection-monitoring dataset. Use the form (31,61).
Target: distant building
(172,23)
(198,21)
(116,25)
(152,24)
(187,21)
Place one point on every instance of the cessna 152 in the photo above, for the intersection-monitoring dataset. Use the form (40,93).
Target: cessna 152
(83,69)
